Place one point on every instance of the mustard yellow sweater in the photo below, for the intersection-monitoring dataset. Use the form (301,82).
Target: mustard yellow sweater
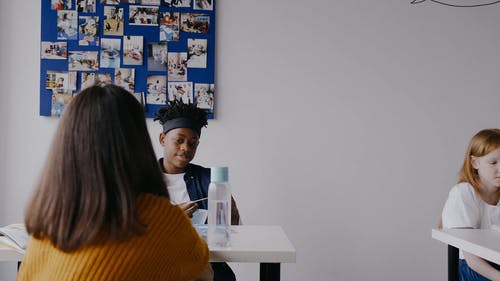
(170,249)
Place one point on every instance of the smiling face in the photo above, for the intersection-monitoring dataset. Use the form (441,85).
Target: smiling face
(488,169)
(179,148)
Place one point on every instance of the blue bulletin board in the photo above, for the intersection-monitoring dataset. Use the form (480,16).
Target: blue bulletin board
(158,50)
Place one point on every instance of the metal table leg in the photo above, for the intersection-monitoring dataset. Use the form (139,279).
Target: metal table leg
(269,272)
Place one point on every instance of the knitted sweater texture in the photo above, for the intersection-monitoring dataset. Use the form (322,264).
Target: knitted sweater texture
(170,249)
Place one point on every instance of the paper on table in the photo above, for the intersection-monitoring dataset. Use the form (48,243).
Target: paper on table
(199,217)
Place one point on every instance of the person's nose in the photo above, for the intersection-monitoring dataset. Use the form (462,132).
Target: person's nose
(185,147)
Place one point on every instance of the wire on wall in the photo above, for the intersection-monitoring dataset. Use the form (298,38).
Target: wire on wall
(456,5)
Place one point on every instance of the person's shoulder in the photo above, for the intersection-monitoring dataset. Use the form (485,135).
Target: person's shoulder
(463,190)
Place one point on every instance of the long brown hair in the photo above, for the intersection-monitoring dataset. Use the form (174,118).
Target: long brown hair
(101,158)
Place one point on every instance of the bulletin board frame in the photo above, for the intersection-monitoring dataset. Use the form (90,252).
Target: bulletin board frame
(69,50)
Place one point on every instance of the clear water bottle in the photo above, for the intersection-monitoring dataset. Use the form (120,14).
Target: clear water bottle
(219,208)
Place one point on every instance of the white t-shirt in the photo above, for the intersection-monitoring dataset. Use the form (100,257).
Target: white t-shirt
(176,188)
(464,208)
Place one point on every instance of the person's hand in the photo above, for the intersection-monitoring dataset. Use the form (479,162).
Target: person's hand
(189,208)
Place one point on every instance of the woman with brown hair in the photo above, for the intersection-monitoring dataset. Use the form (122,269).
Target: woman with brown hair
(100,210)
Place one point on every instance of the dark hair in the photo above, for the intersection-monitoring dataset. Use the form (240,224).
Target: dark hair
(178,109)
(101,158)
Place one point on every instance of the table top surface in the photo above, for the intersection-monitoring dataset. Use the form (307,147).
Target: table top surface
(249,243)
(484,243)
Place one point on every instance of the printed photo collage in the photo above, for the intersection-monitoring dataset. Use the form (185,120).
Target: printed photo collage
(102,42)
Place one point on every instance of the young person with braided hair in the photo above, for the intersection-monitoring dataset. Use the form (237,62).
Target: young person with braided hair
(187,182)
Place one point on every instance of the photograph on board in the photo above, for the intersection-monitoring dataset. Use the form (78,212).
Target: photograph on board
(176,3)
(67,25)
(157,89)
(59,102)
(182,91)
(57,80)
(85,6)
(150,2)
(143,15)
(104,78)
(197,53)
(177,66)
(54,50)
(113,21)
(110,53)
(203,5)
(87,79)
(204,96)
(133,50)
(195,23)
(169,26)
(157,56)
(88,30)
(83,60)
(125,78)
(60,4)
(110,2)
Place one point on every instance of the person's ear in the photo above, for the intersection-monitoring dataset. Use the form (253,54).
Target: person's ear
(474,161)
(162,139)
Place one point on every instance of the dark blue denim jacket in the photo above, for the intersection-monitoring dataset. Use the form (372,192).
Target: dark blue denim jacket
(197,179)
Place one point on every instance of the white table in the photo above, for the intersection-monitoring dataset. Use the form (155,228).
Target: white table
(264,244)
(484,243)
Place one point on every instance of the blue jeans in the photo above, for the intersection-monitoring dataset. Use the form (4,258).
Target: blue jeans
(467,274)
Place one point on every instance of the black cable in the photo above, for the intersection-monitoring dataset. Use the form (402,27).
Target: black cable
(453,5)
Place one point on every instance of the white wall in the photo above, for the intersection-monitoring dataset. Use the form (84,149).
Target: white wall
(343,121)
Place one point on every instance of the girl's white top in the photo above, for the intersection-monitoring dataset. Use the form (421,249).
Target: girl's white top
(464,208)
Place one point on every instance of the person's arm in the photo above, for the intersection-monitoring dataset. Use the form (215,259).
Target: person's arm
(481,266)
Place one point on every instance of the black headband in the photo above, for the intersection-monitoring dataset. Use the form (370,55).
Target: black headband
(181,122)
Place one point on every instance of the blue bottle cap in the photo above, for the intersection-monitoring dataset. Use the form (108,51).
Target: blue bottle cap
(218,174)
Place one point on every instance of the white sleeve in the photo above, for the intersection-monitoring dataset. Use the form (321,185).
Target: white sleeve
(461,209)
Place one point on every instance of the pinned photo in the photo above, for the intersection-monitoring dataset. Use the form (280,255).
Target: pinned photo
(157,89)
(110,53)
(203,5)
(104,79)
(83,60)
(85,6)
(204,96)
(113,20)
(58,80)
(59,102)
(177,66)
(67,25)
(88,30)
(60,4)
(169,26)
(195,23)
(143,15)
(125,78)
(54,50)
(197,53)
(133,50)
(150,2)
(61,81)
(182,91)
(87,79)
(157,57)
(176,3)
